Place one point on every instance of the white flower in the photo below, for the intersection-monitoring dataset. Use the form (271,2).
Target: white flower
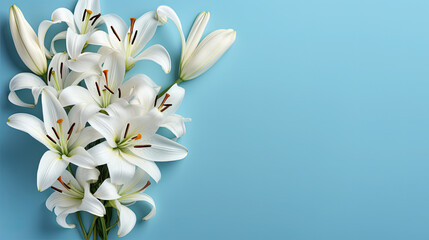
(131,41)
(63,135)
(197,57)
(72,195)
(26,42)
(131,140)
(81,25)
(121,196)
(56,80)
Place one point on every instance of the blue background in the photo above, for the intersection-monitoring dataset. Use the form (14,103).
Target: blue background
(315,125)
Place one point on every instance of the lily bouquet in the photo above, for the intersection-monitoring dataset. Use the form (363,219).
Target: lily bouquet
(99,129)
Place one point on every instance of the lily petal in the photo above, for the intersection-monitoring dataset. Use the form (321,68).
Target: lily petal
(141,90)
(24,81)
(63,15)
(59,36)
(117,30)
(141,197)
(156,53)
(121,171)
(52,113)
(87,63)
(148,166)
(99,38)
(75,95)
(145,27)
(195,34)
(31,125)
(164,12)
(106,126)
(176,124)
(86,136)
(102,153)
(127,219)
(207,53)
(75,43)
(84,175)
(80,157)
(107,191)
(51,166)
(91,204)
(139,180)
(61,218)
(162,149)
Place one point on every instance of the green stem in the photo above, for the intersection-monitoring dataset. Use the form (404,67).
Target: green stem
(81,226)
(165,90)
(117,220)
(91,229)
(95,233)
(103,225)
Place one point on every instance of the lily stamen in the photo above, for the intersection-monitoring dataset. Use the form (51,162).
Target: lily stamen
(70,130)
(61,70)
(126,130)
(156,99)
(49,74)
(139,136)
(134,38)
(94,18)
(133,20)
(84,15)
(166,106)
(56,189)
(56,134)
(142,146)
(98,89)
(62,183)
(50,138)
(108,89)
(116,34)
(119,92)
(163,101)
(59,121)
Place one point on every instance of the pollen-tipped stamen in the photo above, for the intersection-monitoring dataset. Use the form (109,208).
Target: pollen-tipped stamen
(49,74)
(61,70)
(98,89)
(69,132)
(56,189)
(134,38)
(84,15)
(163,101)
(116,34)
(142,146)
(56,134)
(108,89)
(62,183)
(126,130)
(166,106)
(50,138)
(95,18)
(119,92)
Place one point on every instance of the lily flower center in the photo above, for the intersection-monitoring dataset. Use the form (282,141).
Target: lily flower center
(129,140)
(61,142)
(88,20)
(71,190)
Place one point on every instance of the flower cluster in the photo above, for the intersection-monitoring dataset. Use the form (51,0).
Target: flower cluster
(99,129)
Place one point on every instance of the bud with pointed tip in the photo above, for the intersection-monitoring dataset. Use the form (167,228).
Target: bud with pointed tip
(26,42)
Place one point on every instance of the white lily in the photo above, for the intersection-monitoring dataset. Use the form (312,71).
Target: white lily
(26,42)
(81,25)
(55,79)
(122,196)
(61,134)
(131,41)
(198,57)
(107,87)
(131,141)
(73,195)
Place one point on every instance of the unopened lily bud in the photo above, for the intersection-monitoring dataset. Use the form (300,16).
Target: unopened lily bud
(200,59)
(26,42)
